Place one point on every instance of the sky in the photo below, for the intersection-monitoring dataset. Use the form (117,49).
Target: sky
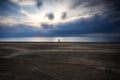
(59,18)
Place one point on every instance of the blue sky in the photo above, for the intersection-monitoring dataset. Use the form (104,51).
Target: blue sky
(59,18)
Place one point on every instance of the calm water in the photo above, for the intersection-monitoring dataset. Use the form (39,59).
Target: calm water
(62,39)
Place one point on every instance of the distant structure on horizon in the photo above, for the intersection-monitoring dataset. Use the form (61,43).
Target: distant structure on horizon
(58,40)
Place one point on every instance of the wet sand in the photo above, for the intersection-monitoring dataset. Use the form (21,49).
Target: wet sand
(59,61)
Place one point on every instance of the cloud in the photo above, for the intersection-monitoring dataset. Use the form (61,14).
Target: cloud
(57,12)
(39,3)
(92,27)
(102,35)
(7,21)
(24,2)
(11,21)
(50,16)
(64,15)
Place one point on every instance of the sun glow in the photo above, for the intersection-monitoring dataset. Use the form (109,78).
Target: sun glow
(38,19)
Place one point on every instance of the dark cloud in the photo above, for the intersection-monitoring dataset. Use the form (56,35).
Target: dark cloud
(108,6)
(113,4)
(46,26)
(39,3)
(112,12)
(64,14)
(86,3)
(50,16)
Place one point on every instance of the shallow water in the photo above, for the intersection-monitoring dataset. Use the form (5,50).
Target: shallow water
(62,39)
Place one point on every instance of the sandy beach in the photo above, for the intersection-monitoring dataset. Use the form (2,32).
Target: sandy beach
(59,61)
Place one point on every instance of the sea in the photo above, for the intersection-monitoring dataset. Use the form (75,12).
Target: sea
(61,39)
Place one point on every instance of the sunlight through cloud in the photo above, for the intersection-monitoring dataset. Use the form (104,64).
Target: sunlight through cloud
(54,12)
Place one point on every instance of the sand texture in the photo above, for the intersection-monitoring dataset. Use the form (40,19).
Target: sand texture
(59,61)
